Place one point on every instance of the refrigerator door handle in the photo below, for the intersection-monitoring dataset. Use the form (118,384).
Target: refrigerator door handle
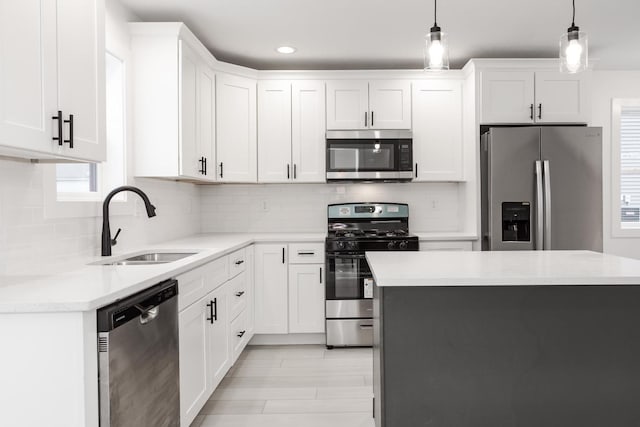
(547,205)
(539,208)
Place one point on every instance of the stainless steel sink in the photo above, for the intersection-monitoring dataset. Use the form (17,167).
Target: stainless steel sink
(148,258)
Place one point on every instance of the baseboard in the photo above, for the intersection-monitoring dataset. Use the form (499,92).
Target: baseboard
(287,339)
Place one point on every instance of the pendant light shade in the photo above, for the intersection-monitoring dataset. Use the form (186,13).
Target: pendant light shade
(574,48)
(436,49)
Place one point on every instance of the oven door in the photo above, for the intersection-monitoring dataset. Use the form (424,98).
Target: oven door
(348,277)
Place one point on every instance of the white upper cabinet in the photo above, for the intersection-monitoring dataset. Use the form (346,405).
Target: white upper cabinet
(533,97)
(236,147)
(52,59)
(308,131)
(291,131)
(389,104)
(173,103)
(274,131)
(561,98)
(378,104)
(347,104)
(437,130)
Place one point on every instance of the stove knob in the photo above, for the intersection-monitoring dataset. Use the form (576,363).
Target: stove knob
(340,245)
(404,244)
(353,245)
(391,245)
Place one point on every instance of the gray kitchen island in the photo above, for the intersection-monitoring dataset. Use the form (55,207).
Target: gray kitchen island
(506,339)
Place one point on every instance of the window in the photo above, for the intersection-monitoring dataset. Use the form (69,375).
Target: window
(626,166)
(88,181)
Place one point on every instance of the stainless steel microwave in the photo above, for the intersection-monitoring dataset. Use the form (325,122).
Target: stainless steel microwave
(370,155)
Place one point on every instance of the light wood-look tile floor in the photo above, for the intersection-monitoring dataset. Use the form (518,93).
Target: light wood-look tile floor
(294,386)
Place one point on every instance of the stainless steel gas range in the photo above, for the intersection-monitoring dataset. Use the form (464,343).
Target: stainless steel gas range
(353,229)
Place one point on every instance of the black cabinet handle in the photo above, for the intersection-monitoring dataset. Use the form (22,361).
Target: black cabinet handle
(241,334)
(305,253)
(213,310)
(70,140)
(288,171)
(283,255)
(58,117)
(201,161)
(204,162)
(239,262)
(320,274)
(221,169)
(295,173)
(365,119)
(531,111)
(416,170)
(540,111)
(239,294)
(372,118)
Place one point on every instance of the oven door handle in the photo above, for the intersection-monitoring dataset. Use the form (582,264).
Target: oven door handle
(343,256)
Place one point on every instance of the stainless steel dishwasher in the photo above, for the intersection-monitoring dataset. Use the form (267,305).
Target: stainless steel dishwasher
(138,359)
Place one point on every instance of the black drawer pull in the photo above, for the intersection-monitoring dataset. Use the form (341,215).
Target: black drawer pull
(239,294)
(241,334)
(239,262)
(306,253)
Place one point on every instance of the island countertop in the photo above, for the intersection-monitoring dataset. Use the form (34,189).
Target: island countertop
(501,268)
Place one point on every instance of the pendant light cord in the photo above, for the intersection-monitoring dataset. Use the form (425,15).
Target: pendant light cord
(573,19)
(435,13)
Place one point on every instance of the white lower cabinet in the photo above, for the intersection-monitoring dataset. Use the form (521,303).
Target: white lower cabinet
(306,298)
(271,289)
(213,330)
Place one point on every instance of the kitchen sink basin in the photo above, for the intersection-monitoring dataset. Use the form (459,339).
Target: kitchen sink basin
(148,258)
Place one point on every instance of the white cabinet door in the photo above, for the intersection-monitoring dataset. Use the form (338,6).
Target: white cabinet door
(28,81)
(194,344)
(274,131)
(250,277)
(206,123)
(308,131)
(236,129)
(306,298)
(81,76)
(437,130)
(188,111)
(389,104)
(561,98)
(271,300)
(347,104)
(507,97)
(219,354)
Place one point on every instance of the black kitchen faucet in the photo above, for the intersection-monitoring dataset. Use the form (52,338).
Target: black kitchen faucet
(107,241)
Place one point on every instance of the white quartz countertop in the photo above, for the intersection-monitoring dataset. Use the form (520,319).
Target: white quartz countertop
(92,286)
(498,268)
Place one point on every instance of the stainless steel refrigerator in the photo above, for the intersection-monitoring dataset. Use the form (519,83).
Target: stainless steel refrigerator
(541,188)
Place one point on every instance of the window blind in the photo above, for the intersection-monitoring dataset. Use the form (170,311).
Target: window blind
(630,166)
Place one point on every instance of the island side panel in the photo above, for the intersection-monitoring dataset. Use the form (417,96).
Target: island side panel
(378,374)
(510,356)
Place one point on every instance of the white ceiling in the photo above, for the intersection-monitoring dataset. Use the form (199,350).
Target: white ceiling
(378,34)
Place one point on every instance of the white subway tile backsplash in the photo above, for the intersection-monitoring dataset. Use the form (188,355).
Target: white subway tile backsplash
(303,207)
(31,243)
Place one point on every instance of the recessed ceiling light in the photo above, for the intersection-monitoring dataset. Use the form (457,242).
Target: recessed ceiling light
(286,49)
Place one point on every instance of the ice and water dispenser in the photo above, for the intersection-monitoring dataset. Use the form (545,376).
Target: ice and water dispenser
(516,221)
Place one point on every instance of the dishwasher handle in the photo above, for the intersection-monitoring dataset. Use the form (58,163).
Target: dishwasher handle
(143,306)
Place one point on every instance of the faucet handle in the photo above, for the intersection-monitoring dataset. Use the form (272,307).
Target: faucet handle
(114,241)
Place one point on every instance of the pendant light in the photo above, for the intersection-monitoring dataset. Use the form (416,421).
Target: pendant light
(574,53)
(436,52)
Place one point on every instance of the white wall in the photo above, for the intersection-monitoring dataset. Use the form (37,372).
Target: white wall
(606,86)
(303,207)
(32,243)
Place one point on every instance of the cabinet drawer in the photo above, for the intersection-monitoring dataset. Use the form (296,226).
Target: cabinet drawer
(306,253)
(198,282)
(446,246)
(238,335)
(238,294)
(237,262)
